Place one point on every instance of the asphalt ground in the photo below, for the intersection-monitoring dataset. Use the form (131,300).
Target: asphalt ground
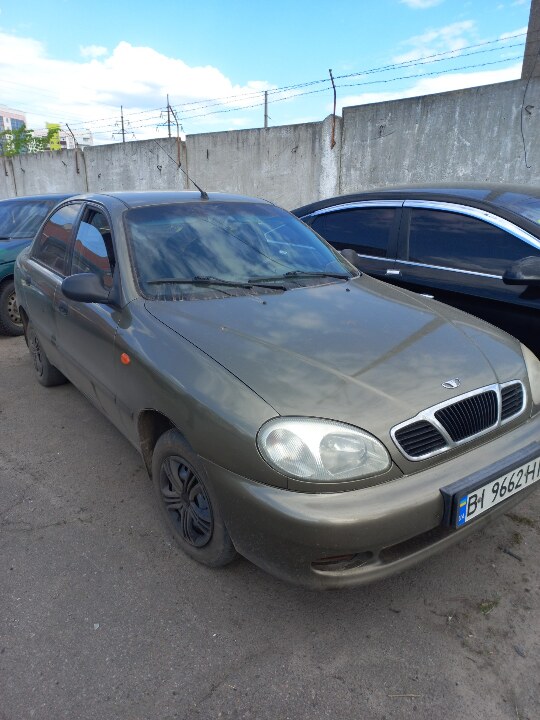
(103,617)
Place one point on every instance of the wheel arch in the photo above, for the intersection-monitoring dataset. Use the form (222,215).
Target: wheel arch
(151,425)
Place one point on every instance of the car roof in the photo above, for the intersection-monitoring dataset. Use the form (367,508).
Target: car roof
(478,194)
(58,197)
(143,198)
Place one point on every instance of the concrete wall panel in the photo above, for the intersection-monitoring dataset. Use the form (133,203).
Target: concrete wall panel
(283,164)
(466,135)
(143,165)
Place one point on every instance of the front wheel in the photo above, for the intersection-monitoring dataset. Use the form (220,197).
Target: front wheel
(46,373)
(187,502)
(10,318)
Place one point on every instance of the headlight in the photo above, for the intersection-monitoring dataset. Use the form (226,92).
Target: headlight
(533,371)
(324,450)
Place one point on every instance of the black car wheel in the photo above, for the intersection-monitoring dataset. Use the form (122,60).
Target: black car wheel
(10,318)
(187,502)
(46,373)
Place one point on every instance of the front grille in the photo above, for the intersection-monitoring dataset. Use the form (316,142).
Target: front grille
(420,438)
(469,417)
(444,426)
(512,400)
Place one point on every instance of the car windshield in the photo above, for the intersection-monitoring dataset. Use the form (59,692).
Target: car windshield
(22,219)
(525,204)
(212,249)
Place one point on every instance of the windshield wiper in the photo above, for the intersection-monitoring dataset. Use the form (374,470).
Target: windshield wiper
(293,274)
(208,280)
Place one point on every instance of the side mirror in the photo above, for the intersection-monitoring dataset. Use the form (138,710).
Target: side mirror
(524,272)
(85,287)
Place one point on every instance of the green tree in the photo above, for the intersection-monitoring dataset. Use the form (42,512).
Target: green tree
(22,140)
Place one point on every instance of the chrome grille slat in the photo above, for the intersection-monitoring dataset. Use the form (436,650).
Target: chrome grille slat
(468,417)
(451,423)
(512,400)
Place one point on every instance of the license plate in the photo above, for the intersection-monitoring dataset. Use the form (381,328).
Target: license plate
(472,503)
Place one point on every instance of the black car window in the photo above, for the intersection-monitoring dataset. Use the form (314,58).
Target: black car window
(453,240)
(93,250)
(366,230)
(51,246)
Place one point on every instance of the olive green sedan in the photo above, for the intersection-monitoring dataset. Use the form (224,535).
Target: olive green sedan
(327,426)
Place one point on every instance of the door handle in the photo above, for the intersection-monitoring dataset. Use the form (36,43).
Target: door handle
(62,308)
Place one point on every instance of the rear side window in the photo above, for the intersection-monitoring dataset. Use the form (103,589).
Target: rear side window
(52,245)
(448,239)
(366,230)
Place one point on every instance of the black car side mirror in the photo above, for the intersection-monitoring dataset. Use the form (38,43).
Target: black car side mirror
(524,272)
(85,287)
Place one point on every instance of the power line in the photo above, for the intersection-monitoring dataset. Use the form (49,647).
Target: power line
(148,118)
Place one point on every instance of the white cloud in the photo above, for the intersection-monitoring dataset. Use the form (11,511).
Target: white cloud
(92,89)
(421,4)
(512,33)
(450,38)
(429,86)
(93,51)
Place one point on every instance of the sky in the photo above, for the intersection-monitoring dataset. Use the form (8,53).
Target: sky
(79,63)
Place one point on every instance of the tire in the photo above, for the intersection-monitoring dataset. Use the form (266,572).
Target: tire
(47,374)
(187,502)
(10,318)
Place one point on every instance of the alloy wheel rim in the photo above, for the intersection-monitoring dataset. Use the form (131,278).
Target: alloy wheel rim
(186,502)
(13,310)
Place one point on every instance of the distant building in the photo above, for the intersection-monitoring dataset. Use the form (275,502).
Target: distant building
(11,119)
(63,140)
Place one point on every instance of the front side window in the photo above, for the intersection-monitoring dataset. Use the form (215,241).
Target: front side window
(366,230)
(93,250)
(453,240)
(51,246)
(236,242)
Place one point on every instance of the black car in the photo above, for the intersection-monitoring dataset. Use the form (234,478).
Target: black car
(20,219)
(476,247)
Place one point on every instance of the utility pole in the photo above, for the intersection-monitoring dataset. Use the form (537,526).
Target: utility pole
(333,139)
(266,108)
(168,115)
(122,118)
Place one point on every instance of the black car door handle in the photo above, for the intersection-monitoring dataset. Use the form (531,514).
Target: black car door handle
(62,308)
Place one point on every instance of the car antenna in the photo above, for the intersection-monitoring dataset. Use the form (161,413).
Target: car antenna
(204,194)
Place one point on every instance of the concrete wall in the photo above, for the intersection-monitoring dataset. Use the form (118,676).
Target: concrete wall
(465,135)
(143,165)
(42,173)
(286,165)
(479,134)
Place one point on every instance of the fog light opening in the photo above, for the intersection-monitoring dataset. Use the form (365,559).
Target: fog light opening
(334,563)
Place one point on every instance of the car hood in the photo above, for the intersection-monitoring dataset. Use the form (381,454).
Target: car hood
(9,249)
(361,352)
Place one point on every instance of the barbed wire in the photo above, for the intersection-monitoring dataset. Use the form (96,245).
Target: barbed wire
(140,119)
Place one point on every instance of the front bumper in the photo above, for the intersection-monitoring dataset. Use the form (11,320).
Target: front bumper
(387,528)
